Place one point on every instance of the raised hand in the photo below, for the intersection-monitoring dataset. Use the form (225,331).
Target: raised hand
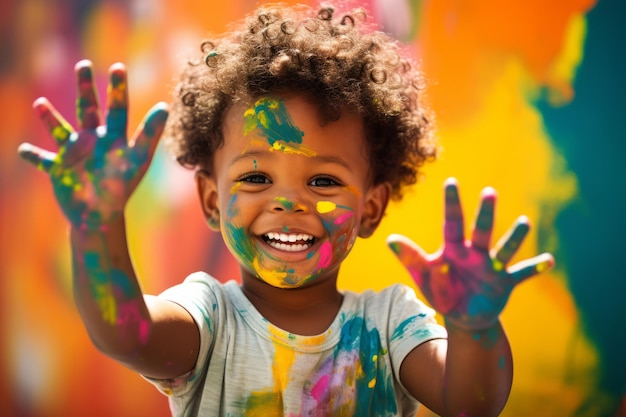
(96,169)
(464,280)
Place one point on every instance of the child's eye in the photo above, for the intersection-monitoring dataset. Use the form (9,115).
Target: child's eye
(324,182)
(255,178)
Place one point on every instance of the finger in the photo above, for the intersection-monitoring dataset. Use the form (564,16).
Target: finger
(410,254)
(531,267)
(481,235)
(144,143)
(117,102)
(42,159)
(507,246)
(87,111)
(453,226)
(58,127)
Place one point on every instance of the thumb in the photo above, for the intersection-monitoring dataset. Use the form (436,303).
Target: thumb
(41,158)
(410,254)
(523,270)
(144,143)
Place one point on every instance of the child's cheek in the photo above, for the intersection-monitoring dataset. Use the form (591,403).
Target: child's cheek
(340,223)
(234,233)
(232,210)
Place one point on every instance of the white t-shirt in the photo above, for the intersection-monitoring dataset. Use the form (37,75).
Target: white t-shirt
(249,367)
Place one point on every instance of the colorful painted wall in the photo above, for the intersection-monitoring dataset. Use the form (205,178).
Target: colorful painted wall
(529,98)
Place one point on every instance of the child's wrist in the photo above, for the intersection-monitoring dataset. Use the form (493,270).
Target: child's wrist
(473,326)
(487,336)
(97,227)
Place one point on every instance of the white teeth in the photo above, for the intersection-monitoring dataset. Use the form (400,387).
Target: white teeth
(288,248)
(287,242)
(284,237)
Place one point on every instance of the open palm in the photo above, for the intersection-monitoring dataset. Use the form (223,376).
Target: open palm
(465,281)
(96,169)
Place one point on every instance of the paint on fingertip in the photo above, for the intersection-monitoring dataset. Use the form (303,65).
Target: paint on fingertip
(543,266)
(395,247)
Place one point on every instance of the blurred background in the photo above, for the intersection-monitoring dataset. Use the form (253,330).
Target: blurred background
(529,98)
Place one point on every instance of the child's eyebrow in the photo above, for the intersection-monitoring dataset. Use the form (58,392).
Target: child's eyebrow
(333,160)
(317,158)
(246,155)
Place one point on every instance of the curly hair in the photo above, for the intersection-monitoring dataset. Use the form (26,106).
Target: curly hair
(340,61)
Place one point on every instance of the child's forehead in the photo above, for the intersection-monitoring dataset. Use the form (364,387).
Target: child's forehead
(302,107)
(291,124)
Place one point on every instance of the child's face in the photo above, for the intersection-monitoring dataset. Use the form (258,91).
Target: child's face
(291,196)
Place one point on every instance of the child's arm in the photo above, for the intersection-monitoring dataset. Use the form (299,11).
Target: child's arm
(470,374)
(94,174)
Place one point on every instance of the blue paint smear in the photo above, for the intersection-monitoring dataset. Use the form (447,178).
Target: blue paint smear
(404,328)
(399,331)
(381,399)
(480,305)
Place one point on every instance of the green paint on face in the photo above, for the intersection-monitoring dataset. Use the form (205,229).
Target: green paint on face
(270,116)
(287,204)
(240,244)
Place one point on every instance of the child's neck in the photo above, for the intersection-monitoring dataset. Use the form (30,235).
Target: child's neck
(306,311)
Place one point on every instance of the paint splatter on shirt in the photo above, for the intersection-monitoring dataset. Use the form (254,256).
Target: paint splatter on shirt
(249,367)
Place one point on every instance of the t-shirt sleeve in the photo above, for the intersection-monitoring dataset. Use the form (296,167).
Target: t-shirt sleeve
(410,323)
(200,294)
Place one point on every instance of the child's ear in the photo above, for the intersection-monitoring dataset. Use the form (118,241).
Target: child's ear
(376,200)
(207,191)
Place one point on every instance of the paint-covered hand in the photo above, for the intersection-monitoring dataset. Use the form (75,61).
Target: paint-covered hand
(465,281)
(96,169)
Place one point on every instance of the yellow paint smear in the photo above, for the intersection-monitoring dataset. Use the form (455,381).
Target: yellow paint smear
(299,150)
(274,278)
(325,206)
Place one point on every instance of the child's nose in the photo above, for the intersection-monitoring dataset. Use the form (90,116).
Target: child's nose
(289,205)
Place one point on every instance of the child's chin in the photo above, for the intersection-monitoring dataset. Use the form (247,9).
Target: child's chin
(285,280)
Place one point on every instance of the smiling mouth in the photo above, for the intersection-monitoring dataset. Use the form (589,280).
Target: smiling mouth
(289,242)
